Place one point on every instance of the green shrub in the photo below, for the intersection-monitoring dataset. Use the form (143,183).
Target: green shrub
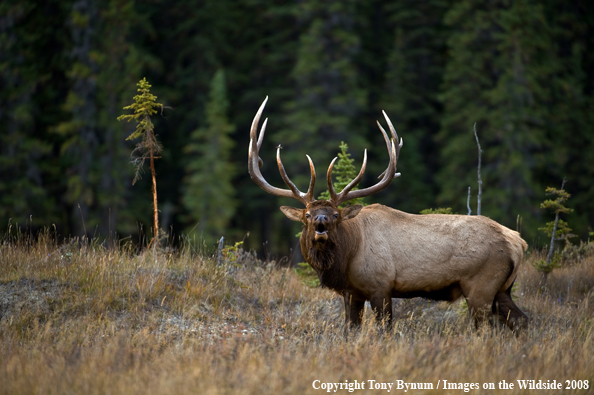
(439,210)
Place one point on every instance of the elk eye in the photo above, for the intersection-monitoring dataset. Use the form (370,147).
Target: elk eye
(335,215)
(307,215)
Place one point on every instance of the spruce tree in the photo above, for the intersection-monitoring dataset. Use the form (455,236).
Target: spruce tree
(208,192)
(149,147)
(557,230)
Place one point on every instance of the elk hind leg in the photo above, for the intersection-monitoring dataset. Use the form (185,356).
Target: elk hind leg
(508,312)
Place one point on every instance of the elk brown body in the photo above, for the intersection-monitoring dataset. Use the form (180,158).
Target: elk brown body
(376,253)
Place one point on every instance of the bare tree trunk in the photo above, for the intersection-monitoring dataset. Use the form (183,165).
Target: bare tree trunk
(552,246)
(543,280)
(468,202)
(480,181)
(155,240)
(220,250)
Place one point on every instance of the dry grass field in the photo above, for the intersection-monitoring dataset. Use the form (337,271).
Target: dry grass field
(91,320)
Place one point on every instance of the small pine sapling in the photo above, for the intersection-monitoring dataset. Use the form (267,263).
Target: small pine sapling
(148,148)
(557,230)
(345,172)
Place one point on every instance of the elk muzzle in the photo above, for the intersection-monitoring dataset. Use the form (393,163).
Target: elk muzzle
(320,224)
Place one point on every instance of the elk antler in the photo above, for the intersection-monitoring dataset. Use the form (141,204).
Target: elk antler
(386,177)
(255,162)
(394,136)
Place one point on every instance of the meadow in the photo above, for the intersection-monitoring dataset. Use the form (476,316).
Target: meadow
(81,318)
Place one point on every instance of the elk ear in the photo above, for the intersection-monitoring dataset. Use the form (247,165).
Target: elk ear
(351,211)
(294,214)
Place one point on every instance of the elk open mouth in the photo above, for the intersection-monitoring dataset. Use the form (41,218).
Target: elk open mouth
(321,233)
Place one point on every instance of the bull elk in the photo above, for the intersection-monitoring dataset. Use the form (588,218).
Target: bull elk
(376,253)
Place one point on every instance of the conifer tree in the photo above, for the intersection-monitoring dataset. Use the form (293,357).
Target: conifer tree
(557,230)
(149,147)
(208,193)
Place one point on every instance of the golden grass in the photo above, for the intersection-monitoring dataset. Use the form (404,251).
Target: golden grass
(89,320)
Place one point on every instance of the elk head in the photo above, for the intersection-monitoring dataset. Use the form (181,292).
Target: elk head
(320,217)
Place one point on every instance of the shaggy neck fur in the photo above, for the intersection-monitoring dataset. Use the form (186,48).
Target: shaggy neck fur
(329,259)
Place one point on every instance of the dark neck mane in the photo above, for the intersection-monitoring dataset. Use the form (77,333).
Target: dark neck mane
(330,262)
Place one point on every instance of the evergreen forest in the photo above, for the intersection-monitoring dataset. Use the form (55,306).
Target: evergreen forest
(521,70)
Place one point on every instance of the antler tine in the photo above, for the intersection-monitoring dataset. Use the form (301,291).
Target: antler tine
(333,194)
(394,134)
(392,129)
(254,164)
(387,176)
(256,121)
(253,135)
(388,144)
(339,198)
(262,131)
(394,137)
(303,197)
(309,197)
(260,139)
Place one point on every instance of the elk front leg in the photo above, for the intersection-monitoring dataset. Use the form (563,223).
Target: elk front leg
(353,309)
(382,308)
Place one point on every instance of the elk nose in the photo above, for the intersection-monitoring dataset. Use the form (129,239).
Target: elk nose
(321,218)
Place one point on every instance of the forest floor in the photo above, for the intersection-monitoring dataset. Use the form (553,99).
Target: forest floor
(93,320)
